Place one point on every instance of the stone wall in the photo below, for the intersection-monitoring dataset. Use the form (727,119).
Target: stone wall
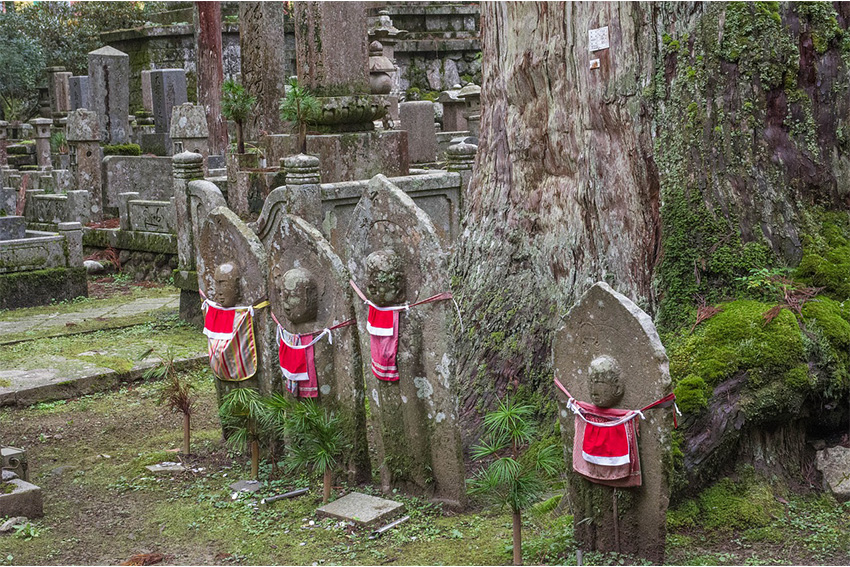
(169,47)
(150,177)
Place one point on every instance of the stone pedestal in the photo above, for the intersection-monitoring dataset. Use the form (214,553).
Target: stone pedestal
(24,500)
(79,92)
(460,157)
(186,167)
(453,109)
(189,131)
(109,93)
(471,94)
(42,141)
(73,233)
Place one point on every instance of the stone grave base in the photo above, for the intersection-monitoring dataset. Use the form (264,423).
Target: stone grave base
(40,287)
(362,509)
(24,500)
(348,156)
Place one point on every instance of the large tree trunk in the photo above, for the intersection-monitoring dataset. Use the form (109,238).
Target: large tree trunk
(210,71)
(264,72)
(694,152)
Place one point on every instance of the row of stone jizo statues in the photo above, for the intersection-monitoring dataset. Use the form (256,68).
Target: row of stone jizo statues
(374,323)
(280,285)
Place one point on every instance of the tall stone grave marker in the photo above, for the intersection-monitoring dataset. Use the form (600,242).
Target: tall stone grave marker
(225,239)
(83,135)
(109,93)
(395,257)
(417,118)
(147,93)
(189,131)
(79,91)
(609,342)
(309,292)
(168,89)
(41,133)
(57,90)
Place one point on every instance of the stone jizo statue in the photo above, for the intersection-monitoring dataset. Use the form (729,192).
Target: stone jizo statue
(226,291)
(606,390)
(299,294)
(385,272)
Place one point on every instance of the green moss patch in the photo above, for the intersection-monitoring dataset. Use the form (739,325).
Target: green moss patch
(122,150)
(826,257)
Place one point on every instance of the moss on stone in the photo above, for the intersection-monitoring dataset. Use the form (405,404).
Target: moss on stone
(826,256)
(122,150)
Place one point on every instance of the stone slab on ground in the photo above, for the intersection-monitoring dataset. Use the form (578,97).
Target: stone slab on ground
(166,467)
(24,500)
(246,486)
(834,463)
(33,386)
(362,508)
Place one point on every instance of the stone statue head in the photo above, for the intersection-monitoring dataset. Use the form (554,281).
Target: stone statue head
(299,294)
(385,278)
(606,390)
(226,285)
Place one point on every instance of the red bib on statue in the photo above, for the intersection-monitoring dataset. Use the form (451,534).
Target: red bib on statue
(606,453)
(230,333)
(383,341)
(298,364)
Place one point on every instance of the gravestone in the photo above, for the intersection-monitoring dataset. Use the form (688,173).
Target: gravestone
(41,127)
(395,256)
(607,330)
(309,292)
(189,131)
(417,118)
(83,135)
(78,88)
(147,96)
(453,107)
(362,508)
(168,89)
(224,239)
(57,89)
(109,93)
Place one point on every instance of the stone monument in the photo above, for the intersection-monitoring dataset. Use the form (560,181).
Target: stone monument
(225,239)
(417,117)
(608,354)
(78,87)
(309,292)
(189,131)
(168,90)
(41,133)
(332,57)
(395,257)
(57,89)
(109,93)
(83,135)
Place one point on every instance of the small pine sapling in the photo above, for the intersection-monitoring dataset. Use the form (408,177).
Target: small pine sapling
(175,392)
(302,108)
(244,414)
(516,477)
(236,105)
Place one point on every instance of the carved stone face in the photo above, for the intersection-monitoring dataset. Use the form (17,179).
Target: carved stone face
(226,285)
(385,284)
(606,391)
(299,294)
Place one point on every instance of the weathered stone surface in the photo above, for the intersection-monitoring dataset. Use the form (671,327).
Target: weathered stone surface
(320,300)
(224,238)
(24,500)
(166,467)
(151,216)
(57,89)
(189,131)
(109,93)
(332,51)
(14,461)
(78,87)
(147,93)
(168,88)
(246,486)
(346,157)
(834,464)
(41,128)
(83,126)
(37,251)
(149,176)
(83,134)
(606,323)
(453,107)
(10,524)
(418,119)
(265,66)
(416,418)
(362,508)
(8,200)
(12,227)
(73,234)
